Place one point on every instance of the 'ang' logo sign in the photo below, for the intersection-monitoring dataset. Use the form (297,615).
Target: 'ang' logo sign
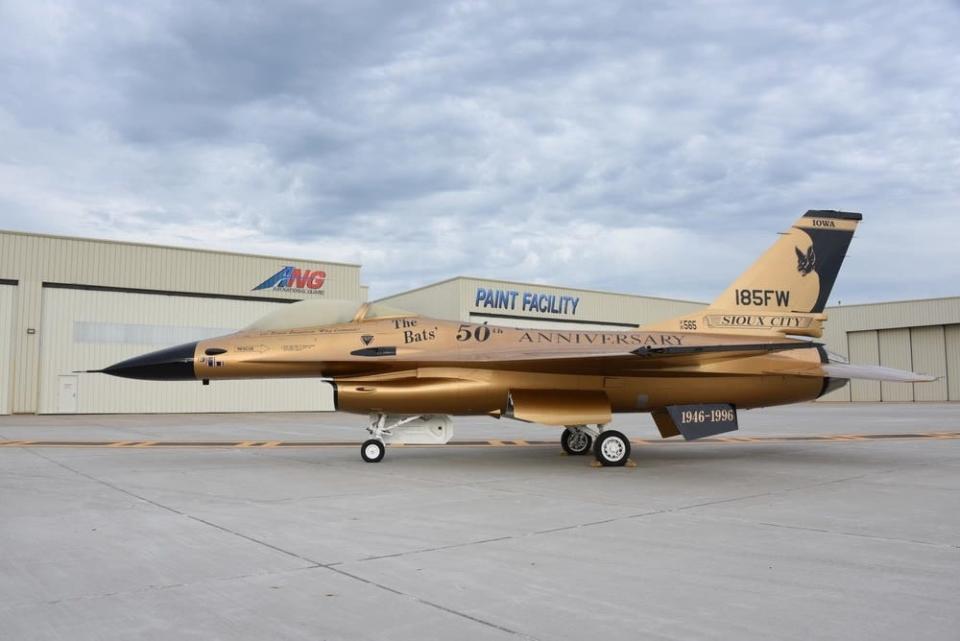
(295,279)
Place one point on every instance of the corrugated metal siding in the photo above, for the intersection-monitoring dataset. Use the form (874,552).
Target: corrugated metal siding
(26,346)
(593,306)
(895,352)
(441,300)
(111,264)
(6,339)
(864,350)
(538,323)
(909,313)
(98,393)
(951,335)
(929,356)
(34,260)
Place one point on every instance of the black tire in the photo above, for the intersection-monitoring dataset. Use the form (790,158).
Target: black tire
(612,449)
(373,450)
(575,442)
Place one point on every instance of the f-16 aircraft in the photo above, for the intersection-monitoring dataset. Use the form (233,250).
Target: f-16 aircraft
(750,348)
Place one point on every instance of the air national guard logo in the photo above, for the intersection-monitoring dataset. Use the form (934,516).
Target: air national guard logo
(295,279)
(805,262)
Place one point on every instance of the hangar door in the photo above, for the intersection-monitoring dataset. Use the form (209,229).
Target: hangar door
(931,350)
(6,344)
(84,329)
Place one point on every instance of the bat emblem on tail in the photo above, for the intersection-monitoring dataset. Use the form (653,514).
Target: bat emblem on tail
(806,262)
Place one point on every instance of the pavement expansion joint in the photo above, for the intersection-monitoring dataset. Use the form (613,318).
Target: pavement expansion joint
(311,562)
(433,604)
(861,535)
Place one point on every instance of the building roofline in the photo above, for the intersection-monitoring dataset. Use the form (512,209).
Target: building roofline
(175,247)
(894,302)
(418,289)
(527,284)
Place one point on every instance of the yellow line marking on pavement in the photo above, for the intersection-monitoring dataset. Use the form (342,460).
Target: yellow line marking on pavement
(716,440)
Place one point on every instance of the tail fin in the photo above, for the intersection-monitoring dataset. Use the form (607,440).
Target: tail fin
(786,290)
(797,273)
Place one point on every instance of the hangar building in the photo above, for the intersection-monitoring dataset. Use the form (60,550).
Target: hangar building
(71,304)
(74,304)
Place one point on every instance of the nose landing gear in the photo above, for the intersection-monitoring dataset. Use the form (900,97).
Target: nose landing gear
(432,429)
(373,450)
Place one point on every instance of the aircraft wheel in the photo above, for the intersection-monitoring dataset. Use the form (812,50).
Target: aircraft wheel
(612,449)
(575,442)
(373,450)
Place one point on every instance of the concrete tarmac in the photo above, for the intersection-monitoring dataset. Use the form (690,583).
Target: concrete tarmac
(856,537)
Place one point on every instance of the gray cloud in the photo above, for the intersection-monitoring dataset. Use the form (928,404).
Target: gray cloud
(645,147)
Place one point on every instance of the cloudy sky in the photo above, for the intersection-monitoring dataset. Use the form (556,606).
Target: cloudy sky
(646,147)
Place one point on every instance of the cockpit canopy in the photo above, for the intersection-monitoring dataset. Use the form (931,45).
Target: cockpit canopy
(317,313)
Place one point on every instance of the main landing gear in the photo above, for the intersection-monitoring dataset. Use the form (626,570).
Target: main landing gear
(610,447)
(576,441)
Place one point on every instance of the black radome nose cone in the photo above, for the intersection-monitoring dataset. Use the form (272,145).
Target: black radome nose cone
(171,364)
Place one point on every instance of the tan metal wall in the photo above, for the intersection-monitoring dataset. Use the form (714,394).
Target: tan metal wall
(933,350)
(933,346)
(897,314)
(35,260)
(455,299)
(6,338)
(440,300)
(108,316)
(929,355)
(864,350)
(951,335)
(594,307)
(135,266)
(895,352)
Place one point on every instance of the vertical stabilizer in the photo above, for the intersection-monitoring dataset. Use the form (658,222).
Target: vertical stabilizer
(786,289)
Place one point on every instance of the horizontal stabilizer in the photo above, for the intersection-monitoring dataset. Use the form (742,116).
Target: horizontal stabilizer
(875,373)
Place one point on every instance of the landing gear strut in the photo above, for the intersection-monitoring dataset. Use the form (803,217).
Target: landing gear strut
(374,449)
(576,441)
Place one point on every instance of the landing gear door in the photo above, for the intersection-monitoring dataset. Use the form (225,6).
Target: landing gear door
(698,421)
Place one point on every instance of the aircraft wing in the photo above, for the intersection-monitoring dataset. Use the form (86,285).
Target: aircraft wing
(514,353)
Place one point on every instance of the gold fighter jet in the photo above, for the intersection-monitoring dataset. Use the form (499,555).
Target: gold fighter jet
(750,348)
